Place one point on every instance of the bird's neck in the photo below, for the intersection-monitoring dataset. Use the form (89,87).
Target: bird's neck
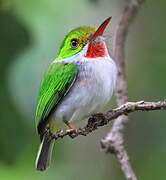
(97,49)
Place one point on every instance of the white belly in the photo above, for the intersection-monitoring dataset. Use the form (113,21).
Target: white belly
(91,91)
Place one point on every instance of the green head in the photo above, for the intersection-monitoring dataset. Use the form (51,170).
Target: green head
(76,39)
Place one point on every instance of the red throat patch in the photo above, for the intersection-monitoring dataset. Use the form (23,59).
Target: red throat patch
(95,50)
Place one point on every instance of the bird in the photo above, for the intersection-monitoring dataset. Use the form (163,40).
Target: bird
(77,84)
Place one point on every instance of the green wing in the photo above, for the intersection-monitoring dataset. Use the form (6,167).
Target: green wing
(56,83)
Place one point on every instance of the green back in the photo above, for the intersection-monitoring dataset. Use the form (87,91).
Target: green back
(57,81)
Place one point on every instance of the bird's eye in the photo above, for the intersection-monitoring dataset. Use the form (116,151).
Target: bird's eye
(74,43)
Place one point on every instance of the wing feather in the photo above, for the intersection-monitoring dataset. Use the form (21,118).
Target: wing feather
(56,83)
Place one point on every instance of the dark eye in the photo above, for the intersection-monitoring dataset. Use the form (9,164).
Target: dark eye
(74,43)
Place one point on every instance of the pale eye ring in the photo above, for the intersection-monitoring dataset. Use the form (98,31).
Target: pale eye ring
(74,43)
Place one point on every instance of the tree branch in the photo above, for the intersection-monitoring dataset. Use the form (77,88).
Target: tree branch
(99,120)
(113,142)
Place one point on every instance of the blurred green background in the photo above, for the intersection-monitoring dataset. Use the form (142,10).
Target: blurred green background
(30,34)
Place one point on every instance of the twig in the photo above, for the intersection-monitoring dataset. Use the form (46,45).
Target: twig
(99,120)
(113,142)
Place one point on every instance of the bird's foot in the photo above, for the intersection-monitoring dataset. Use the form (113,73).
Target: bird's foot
(76,131)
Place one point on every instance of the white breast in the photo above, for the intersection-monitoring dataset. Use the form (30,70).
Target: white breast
(91,92)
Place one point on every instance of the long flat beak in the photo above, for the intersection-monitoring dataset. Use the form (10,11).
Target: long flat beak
(101,29)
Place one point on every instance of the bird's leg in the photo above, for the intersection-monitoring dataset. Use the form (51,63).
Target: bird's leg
(72,127)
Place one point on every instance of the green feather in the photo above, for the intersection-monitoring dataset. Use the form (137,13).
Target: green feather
(81,33)
(55,85)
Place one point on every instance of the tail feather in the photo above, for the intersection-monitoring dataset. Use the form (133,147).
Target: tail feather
(44,154)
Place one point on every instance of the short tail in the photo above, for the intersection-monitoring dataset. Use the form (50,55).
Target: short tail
(44,154)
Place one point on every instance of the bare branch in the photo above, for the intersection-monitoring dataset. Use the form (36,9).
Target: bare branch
(99,120)
(113,142)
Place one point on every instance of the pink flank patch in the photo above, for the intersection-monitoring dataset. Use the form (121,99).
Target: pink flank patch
(95,50)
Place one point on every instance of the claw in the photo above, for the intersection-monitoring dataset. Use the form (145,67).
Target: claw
(72,127)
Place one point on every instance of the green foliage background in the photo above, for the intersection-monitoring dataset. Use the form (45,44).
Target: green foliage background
(30,34)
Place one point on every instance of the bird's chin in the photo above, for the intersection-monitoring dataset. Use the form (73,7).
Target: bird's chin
(96,48)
